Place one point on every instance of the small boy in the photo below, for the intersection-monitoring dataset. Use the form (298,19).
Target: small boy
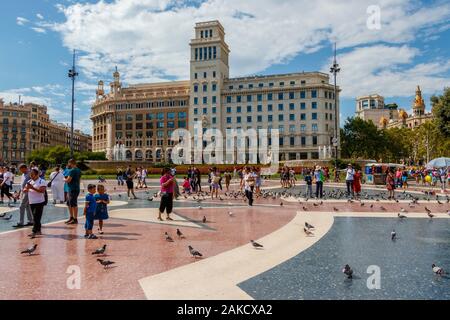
(89,211)
(308,180)
(186,186)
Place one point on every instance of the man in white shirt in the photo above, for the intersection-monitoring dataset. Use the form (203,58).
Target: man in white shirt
(7,184)
(24,205)
(350,172)
(36,188)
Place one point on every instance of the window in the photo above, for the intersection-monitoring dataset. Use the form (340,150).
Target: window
(238,99)
(291,95)
(313,93)
(249,119)
(292,83)
(182,115)
(269,118)
(170,124)
(270,84)
(260,85)
(214,73)
(259,119)
(214,120)
(205,100)
(314,105)
(281,84)
(249,98)
(195,88)
(269,107)
(214,87)
(238,109)
(291,106)
(238,119)
(302,105)
(205,88)
(214,99)
(160,124)
(280,117)
(291,117)
(195,111)
(314,116)
(181,123)
(292,141)
(302,94)
(205,111)
(170,115)
(195,101)
(303,143)
(205,74)
(314,139)
(249,108)
(228,109)
(280,107)
(292,128)
(228,119)
(303,127)
(259,108)
(228,99)
(314,127)
(280,96)
(214,52)
(259,97)
(270,96)
(303,116)
(281,141)
(214,110)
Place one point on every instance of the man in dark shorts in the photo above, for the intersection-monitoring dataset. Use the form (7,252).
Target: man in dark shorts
(129,176)
(167,189)
(73,184)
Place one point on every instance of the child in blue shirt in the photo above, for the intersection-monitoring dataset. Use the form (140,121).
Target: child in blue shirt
(89,212)
(102,201)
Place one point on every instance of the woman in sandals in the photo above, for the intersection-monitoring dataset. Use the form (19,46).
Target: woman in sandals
(167,182)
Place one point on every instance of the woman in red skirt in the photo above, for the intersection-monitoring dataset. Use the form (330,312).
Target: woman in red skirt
(357,183)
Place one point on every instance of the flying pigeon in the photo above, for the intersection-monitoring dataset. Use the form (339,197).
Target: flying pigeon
(168,238)
(30,250)
(256,244)
(100,250)
(194,252)
(105,263)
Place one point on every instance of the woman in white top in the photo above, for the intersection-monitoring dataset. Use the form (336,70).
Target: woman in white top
(57,185)
(36,196)
(249,184)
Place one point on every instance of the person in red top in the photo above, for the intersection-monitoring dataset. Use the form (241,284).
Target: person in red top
(167,187)
(357,183)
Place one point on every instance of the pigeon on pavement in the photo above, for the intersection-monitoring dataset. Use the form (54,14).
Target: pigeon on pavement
(194,252)
(30,250)
(105,263)
(256,244)
(100,250)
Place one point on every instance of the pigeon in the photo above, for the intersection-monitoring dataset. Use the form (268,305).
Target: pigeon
(427,210)
(401,216)
(309,226)
(437,270)
(168,238)
(105,263)
(430,215)
(315,204)
(194,252)
(119,195)
(204,219)
(305,208)
(256,244)
(383,208)
(393,235)
(308,232)
(348,271)
(403,210)
(281,204)
(335,209)
(180,235)
(100,250)
(30,250)
(150,199)
(371,206)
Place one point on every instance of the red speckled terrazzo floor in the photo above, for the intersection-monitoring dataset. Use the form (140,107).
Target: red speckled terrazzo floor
(139,250)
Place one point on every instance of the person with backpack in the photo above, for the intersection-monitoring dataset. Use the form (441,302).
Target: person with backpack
(36,188)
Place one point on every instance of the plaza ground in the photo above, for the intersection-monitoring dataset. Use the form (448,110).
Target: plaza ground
(291,265)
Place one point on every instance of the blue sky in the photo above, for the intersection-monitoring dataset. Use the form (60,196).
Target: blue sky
(410,48)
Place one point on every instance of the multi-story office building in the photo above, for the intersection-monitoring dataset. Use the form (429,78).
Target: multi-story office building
(28,127)
(300,105)
(136,123)
(372,107)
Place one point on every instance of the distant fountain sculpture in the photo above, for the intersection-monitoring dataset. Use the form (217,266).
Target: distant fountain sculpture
(119,152)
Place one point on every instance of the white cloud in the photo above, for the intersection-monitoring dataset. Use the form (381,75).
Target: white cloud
(387,70)
(40,16)
(148,39)
(39,29)
(21,21)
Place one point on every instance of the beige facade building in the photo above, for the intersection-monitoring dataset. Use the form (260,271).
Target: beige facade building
(373,108)
(414,120)
(300,105)
(28,127)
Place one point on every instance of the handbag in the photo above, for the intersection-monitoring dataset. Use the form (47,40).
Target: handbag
(50,183)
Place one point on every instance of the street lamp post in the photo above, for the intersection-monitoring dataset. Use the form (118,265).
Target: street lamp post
(72,74)
(334,70)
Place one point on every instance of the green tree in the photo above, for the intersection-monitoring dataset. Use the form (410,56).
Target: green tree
(441,112)
(361,139)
